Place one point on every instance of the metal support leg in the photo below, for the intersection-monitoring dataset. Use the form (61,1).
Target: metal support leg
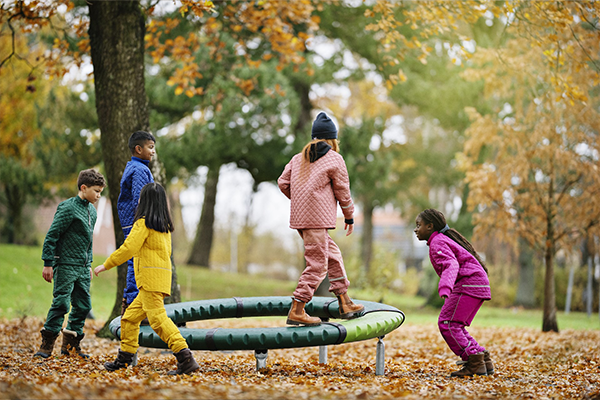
(261,359)
(322,354)
(380,357)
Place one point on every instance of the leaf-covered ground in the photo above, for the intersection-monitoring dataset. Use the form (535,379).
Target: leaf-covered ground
(529,365)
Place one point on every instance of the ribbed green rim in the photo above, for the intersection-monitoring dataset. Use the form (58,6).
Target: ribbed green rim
(378,320)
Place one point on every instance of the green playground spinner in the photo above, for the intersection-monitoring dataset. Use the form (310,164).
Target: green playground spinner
(377,321)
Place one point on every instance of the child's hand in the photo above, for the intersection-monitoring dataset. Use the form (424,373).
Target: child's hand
(349,228)
(48,274)
(99,268)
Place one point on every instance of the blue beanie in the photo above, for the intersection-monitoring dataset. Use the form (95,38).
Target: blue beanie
(323,127)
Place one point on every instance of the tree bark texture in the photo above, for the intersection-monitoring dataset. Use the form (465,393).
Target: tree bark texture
(116,33)
(200,254)
(302,88)
(549,320)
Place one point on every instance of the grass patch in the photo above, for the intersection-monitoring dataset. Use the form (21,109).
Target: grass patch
(26,293)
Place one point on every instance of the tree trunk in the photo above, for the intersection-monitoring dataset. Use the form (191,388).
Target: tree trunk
(549,320)
(158,171)
(13,227)
(116,33)
(200,254)
(302,88)
(366,241)
(588,289)
(526,286)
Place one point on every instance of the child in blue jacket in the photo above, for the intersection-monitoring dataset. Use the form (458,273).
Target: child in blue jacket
(135,176)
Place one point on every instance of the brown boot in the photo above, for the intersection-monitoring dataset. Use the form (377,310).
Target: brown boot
(297,315)
(48,340)
(473,366)
(348,309)
(186,363)
(71,343)
(122,361)
(489,365)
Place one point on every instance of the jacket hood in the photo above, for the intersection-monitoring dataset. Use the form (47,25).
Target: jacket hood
(318,150)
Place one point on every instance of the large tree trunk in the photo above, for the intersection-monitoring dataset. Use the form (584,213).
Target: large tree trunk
(200,254)
(526,286)
(13,227)
(366,240)
(117,46)
(549,322)
(302,88)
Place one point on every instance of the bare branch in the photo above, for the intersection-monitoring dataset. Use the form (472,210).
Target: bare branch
(584,49)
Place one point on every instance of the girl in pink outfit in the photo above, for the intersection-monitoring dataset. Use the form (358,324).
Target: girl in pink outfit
(315,181)
(464,285)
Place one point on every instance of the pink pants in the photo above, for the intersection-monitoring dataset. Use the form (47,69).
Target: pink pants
(457,313)
(322,256)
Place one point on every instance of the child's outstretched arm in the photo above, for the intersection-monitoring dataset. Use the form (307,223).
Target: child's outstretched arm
(99,268)
(128,249)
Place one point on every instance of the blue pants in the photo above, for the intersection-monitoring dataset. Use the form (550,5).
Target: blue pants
(131,290)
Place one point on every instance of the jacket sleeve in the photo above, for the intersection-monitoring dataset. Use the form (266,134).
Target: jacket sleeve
(341,189)
(284,181)
(131,246)
(443,256)
(61,222)
(138,180)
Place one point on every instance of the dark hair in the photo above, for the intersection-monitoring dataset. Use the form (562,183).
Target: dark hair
(90,177)
(435,217)
(154,208)
(139,138)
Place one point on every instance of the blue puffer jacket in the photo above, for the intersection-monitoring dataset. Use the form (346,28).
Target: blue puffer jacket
(135,177)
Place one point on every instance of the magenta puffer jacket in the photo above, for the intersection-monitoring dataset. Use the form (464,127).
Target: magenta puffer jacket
(458,270)
(315,189)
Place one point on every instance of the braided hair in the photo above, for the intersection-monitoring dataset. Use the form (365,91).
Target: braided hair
(435,217)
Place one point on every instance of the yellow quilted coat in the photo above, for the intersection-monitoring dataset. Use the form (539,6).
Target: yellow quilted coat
(151,252)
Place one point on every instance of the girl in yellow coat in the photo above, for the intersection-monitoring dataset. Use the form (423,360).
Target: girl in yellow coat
(149,243)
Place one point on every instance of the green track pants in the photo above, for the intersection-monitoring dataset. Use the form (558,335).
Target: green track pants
(71,291)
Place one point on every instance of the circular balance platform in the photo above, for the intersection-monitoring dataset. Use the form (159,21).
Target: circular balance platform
(377,321)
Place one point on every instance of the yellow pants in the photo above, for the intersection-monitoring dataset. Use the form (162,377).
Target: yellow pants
(150,305)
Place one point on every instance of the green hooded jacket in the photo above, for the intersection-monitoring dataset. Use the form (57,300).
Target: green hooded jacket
(69,239)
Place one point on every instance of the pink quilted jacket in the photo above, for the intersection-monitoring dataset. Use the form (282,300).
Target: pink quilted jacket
(315,189)
(458,270)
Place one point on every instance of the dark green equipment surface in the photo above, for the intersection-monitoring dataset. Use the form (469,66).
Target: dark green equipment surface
(378,320)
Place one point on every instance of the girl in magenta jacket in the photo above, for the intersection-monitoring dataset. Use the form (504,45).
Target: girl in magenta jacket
(315,181)
(464,285)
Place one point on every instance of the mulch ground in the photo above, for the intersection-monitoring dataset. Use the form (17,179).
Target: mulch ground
(529,365)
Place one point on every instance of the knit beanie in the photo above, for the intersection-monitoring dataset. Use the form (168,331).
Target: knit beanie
(323,127)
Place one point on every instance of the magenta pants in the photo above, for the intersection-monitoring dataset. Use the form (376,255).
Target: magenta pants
(322,256)
(457,313)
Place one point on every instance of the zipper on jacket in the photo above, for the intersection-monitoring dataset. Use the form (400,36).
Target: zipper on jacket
(91,232)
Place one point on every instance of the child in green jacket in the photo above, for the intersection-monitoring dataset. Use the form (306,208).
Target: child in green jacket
(67,255)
